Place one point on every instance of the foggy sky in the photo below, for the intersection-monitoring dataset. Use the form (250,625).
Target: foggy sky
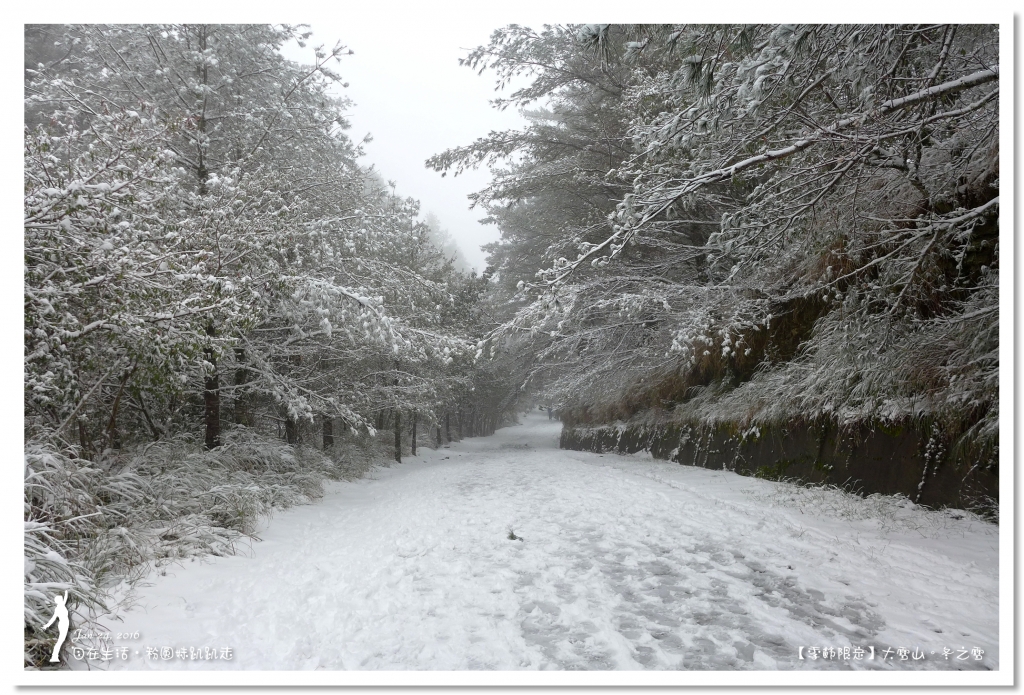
(416,100)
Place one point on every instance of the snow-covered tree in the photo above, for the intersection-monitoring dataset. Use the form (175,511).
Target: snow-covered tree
(225,238)
(805,217)
(204,260)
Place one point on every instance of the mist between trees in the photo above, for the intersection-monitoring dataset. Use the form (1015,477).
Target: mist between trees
(208,271)
(752,225)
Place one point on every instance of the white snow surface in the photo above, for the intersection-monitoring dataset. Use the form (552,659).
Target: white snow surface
(625,563)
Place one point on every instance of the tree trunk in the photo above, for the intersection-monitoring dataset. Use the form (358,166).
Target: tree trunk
(447,427)
(414,433)
(439,436)
(83,439)
(149,421)
(398,421)
(211,407)
(113,436)
(328,432)
(398,435)
(240,413)
(291,431)
(211,394)
(211,397)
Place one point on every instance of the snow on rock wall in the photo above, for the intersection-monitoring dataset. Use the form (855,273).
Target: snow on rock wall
(908,460)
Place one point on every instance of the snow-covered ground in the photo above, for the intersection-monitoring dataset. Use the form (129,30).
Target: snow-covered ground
(623,563)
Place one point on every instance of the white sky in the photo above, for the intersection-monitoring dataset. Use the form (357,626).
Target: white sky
(416,100)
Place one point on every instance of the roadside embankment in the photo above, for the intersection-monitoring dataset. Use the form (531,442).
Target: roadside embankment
(911,460)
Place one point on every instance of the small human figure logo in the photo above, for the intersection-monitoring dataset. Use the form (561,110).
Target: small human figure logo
(60,614)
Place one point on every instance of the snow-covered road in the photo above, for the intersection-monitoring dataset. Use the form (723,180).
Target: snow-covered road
(624,563)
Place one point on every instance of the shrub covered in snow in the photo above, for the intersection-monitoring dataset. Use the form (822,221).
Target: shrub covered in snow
(93,525)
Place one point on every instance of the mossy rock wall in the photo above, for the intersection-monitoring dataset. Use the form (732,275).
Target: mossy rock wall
(869,459)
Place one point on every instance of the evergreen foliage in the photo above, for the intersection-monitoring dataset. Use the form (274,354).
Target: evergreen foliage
(751,224)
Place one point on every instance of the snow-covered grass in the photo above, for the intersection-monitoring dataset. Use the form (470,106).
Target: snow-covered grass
(617,562)
(73,513)
(91,526)
(891,513)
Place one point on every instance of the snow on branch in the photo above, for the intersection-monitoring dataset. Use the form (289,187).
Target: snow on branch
(655,205)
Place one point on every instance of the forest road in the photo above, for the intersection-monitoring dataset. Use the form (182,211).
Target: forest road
(617,563)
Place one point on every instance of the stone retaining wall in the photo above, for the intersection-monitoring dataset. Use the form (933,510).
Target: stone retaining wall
(869,460)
